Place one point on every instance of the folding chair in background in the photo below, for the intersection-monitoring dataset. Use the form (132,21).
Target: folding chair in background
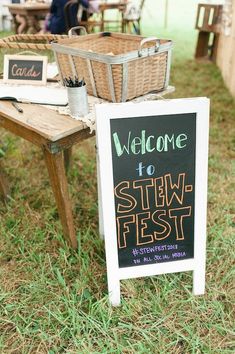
(132,17)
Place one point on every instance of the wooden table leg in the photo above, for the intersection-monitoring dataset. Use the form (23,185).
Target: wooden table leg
(4,191)
(33,26)
(16,24)
(202,44)
(102,21)
(67,158)
(214,48)
(56,170)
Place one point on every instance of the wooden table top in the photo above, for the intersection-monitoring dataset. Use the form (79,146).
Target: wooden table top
(29,9)
(42,120)
(50,124)
(29,6)
(112,5)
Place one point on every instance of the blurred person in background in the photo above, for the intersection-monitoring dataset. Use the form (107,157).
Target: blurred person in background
(20,19)
(55,22)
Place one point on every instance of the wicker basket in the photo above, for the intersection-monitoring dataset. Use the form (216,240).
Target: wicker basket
(29,41)
(116,67)
(28,44)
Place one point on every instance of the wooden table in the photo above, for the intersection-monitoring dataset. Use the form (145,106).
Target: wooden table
(31,13)
(55,134)
(120,6)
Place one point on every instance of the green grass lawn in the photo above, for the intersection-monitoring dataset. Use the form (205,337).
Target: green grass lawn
(54,300)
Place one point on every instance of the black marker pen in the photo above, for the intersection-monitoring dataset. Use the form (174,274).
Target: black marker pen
(19,109)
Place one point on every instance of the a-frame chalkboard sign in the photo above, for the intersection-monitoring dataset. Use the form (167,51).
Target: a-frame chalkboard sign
(152,162)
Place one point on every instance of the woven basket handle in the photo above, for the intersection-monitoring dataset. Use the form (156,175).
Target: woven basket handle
(146,40)
(72,30)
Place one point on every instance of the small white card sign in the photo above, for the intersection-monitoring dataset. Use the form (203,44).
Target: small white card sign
(152,163)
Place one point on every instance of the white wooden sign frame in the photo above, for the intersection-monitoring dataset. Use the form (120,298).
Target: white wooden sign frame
(106,112)
(32,58)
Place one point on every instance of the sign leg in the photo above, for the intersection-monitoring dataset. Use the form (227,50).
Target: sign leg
(199,280)
(101,223)
(114,291)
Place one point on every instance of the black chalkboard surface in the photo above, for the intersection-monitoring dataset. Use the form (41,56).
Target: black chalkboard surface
(25,70)
(154,182)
